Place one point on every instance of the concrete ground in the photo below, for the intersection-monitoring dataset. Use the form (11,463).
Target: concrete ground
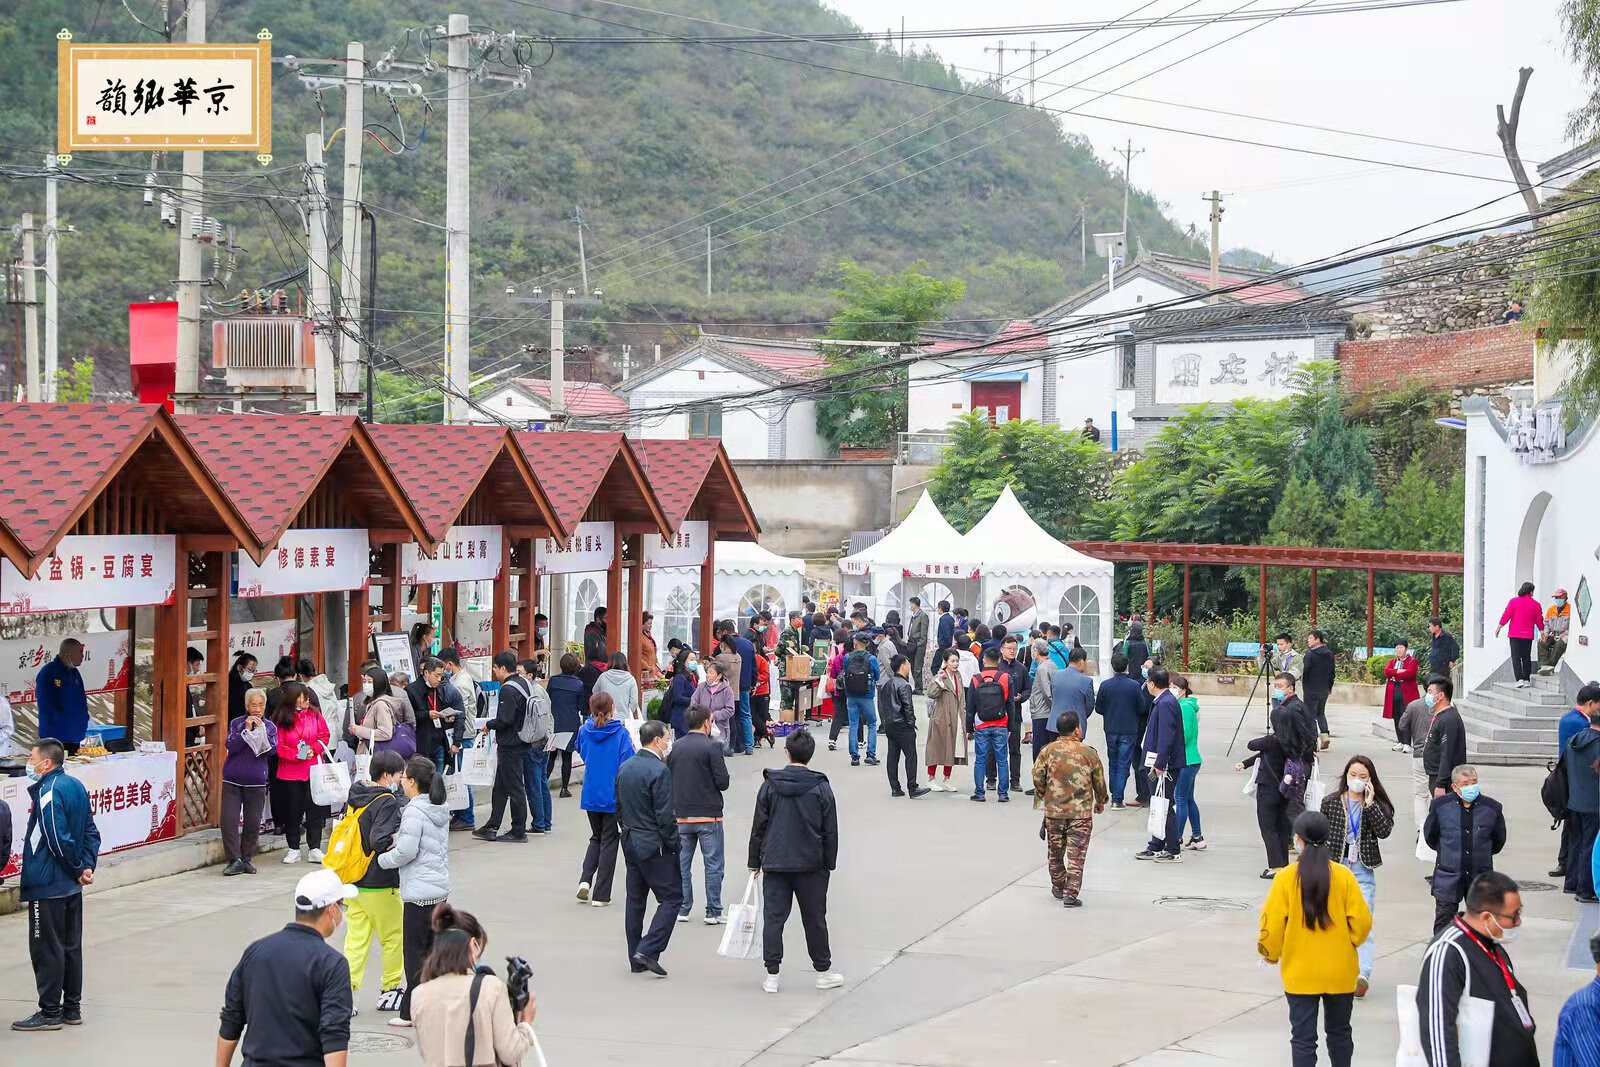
(954,952)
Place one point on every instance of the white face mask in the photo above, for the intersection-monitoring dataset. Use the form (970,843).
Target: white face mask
(366,688)
(247,675)
(1357,785)
(1507,934)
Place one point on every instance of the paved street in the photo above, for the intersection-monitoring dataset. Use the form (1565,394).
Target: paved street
(954,952)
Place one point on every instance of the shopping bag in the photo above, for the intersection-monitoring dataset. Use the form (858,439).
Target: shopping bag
(330,783)
(1249,789)
(1315,789)
(1424,853)
(363,767)
(478,764)
(1409,1054)
(1156,824)
(456,796)
(742,939)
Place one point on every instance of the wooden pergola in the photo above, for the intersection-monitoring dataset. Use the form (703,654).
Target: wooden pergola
(1370,560)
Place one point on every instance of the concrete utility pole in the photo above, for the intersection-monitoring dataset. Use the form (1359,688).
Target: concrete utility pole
(1083,232)
(191,204)
(350,321)
(558,362)
(457,219)
(1215,200)
(1127,182)
(321,310)
(708,262)
(52,267)
(1033,85)
(999,65)
(30,308)
(583,261)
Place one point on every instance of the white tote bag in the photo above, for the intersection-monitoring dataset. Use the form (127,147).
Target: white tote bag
(330,783)
(478,763)
(1315,787)
(742,939)
(1474,1023)
(364,767)
(456,796)
(1156,824)
(1409,1054)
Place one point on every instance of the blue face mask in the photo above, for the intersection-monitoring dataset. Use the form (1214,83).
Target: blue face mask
(1469,793)
(33,773)
(1430,699)
(1277,694)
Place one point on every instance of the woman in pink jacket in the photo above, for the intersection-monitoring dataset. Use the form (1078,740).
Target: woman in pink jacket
(1525,616)
(302,739)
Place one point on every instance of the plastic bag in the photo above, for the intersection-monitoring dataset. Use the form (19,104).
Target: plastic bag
(742,938)
(479,763)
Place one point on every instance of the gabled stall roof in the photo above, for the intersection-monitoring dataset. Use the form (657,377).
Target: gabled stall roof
(441,467)
(693,479)
(591,476)
(61,457)
(270,465)
(1008,541)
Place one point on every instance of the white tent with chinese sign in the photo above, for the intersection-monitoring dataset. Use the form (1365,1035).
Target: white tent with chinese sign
(1030,577)
(924,557)
(748,578)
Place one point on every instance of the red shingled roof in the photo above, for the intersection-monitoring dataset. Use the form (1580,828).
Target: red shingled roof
(439,467)
(1265,293)
(589,400)
(781,360)
(677,470)
(1018,336)
(570,466)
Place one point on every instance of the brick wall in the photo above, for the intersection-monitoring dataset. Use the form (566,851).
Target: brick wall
(1491,355)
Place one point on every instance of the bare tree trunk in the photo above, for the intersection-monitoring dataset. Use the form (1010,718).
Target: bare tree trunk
(1506,130)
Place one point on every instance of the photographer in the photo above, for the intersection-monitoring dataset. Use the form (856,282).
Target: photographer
(462,1011)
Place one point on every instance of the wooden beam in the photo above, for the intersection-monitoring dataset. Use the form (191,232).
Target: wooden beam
(616,636)
(389,537)
(122,700)
(319,638)
(1263,618)
(216,733)
(636,615)
(208,543)
(708,590)
(357,641)
(1435,596)
(1186,616)
(515,531)
(168,692)
(449,600)
(1313,597)
(500,603)
(1371,590)
(1149,591)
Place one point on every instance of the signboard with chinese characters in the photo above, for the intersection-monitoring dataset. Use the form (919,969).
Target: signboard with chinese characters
(591,547)
(163,97)
(686,548)
(107,661)
(126,571)
(133,799)
(474,633)
(268,642)
(1202,372)
(467,554)
(306,561)
(393,653)
(940,570)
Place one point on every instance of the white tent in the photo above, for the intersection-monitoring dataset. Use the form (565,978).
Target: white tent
(1029,576)
(924,555)
(748,578)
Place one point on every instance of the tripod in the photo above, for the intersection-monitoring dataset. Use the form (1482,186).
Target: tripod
(1266,662)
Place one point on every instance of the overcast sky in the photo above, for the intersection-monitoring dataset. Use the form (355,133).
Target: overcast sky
(1431,74)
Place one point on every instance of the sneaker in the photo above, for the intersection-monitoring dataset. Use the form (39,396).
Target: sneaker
(1071,902)
(713,920)
(872,761)
(769,984)
(38,1021)
(485,834)
(1362,985)
(1198,844)
(599,903)
(456,824)
(389,999)
(1269,874)
(292,856)
(1145,854)
(513,838)
(72,1018)
(855,761)
(1005,798)
(833,746)
(683,916)
(920,791)
(831,980)
(315,855)
(400,1022)
(583,892)
(935,787)
(354,1011)
(1169,857)
(249,868)
(1117,805)
(234,867)
(976,799)
(1058,893)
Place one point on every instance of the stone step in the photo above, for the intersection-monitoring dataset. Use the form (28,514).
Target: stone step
(1489,731)
(1501,759)
(1533,694)
(1536,751)
(1514,705)
(1509,720)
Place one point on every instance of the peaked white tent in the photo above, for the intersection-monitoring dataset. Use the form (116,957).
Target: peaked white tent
(1028,576)
(748,577)
(923,556)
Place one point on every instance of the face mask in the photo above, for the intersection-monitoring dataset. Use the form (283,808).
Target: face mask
(1357,785)
(1430,699)
(33,773)
(692,665)
(247,675)
(544,631)
(1507,934)
(1560,604)
(1277,694)
(1469,793)
(367,688)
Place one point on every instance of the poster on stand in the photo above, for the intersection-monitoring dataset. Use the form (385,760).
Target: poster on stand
(466,554)
(686,548)
(107,659)
(393,653)
(133,797)
(592,547)
(306,561)
(126,571)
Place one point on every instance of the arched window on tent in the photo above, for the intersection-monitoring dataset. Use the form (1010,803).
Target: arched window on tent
(931,594)
(583,602)
(681,618)
(759,598)
(1080,608)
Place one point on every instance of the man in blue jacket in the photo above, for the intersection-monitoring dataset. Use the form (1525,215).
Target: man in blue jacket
(59,853)
(1120,703)
(1585,709)
(1164,756)
(746,740)
(63,703)
(947,626)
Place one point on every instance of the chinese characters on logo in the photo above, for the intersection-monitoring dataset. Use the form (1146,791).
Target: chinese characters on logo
(148,96)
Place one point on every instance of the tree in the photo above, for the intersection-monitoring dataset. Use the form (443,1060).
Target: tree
(1056,474)
(1008,287)
(1399,419)
(1335,454)
(75,384)
(869,408)
(398,398)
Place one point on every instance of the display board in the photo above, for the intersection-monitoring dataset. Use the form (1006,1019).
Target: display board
(133,797)
(393,653)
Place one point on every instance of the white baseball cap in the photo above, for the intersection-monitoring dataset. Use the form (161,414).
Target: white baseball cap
(321,888)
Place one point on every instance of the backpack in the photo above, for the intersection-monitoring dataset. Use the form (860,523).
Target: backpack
(989,699)
(1553,791)
(345,856)
(857,674)
(538,722)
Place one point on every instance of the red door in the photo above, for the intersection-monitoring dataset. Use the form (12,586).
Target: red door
(1000,401)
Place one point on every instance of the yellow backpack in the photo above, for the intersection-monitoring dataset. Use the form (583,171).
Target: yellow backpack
(345,856)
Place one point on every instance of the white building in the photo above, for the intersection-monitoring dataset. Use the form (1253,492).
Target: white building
(699,385)
(525,403)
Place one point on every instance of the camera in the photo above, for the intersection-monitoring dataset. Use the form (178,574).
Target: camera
(518,972)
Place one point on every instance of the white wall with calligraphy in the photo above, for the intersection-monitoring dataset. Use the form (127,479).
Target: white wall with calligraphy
(1199,372)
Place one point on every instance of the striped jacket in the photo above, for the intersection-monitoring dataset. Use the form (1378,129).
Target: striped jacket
(62,840)
(1454,966)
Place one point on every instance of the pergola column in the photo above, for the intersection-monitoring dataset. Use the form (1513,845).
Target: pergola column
(708,588)
(500,601)
(636,611)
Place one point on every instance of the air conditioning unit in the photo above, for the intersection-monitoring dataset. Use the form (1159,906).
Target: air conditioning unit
(264,352)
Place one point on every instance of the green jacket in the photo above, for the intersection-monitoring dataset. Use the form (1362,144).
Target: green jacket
(1191,729)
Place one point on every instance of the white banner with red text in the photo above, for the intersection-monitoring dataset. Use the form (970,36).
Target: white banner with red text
(266,641)
(467,554)
(592,547)
(686,548)
(130,570)
(306,561)
(107,663)
(133,797)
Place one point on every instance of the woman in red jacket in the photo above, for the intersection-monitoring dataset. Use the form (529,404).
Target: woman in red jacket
(302,740)
(1525,616)
(1400,689)
(761,699)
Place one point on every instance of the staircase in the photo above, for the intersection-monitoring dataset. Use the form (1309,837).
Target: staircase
(1507,725)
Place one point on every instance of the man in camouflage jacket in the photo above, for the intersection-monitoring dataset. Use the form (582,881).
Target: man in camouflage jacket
(1070,785)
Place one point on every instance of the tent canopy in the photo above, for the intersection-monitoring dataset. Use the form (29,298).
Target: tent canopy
(1008,541)
(924,543)
(748,557)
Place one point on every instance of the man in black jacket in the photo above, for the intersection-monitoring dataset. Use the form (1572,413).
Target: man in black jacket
(1444,649)
(794,845)
(1316,681)
(649,847)
(900,728)
(441,719)
(1471,951)
(510,783)
(699,778)
(1021,686)
(1446,747)
(1121,702)
(1466,829)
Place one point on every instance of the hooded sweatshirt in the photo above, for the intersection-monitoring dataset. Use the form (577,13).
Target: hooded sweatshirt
(421,852)
(622,689)
(604,749)
(796,823)
(379,823)
(1583,783)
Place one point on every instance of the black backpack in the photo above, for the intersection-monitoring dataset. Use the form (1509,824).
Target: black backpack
(989,698)
(1553,791)
(857,674)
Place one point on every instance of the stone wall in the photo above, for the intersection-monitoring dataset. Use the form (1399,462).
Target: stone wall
(807,507)
(1444,288)
(1457,360)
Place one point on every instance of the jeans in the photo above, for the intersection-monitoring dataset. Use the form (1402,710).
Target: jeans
(1303,1027)
(1367,879)
(991,742)
(1580,864)
(1317,705)
(1183,800)
(708,835)
(536,772)
(863,712)
(442,760)
(1042,736)
(1119,747)
(744,735)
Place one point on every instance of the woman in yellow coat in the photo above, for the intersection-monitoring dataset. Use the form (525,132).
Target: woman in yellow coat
(1312,921)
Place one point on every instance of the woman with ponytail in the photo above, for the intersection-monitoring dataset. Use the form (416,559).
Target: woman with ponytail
(446,1008)
(1312,921)
(421,854)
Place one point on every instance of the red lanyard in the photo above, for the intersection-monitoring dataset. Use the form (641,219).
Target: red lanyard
(433,700)
(1505,972)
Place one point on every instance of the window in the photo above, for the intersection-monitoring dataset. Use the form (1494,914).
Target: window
(1125,363)
(681,618)
(583,605)
(760,598)
(1080,609)
(705,420)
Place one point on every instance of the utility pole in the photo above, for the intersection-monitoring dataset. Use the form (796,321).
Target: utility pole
(708,262)
(583,261)
(1033,85)
(190,206)
(1000,66)
(1083,232)
(321,311)
(30,309)
(458,283)
(558,362)
(52,266)
(349,318)
(1215,200)
(1127,183)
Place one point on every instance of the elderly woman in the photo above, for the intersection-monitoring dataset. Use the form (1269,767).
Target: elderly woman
(252,738)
